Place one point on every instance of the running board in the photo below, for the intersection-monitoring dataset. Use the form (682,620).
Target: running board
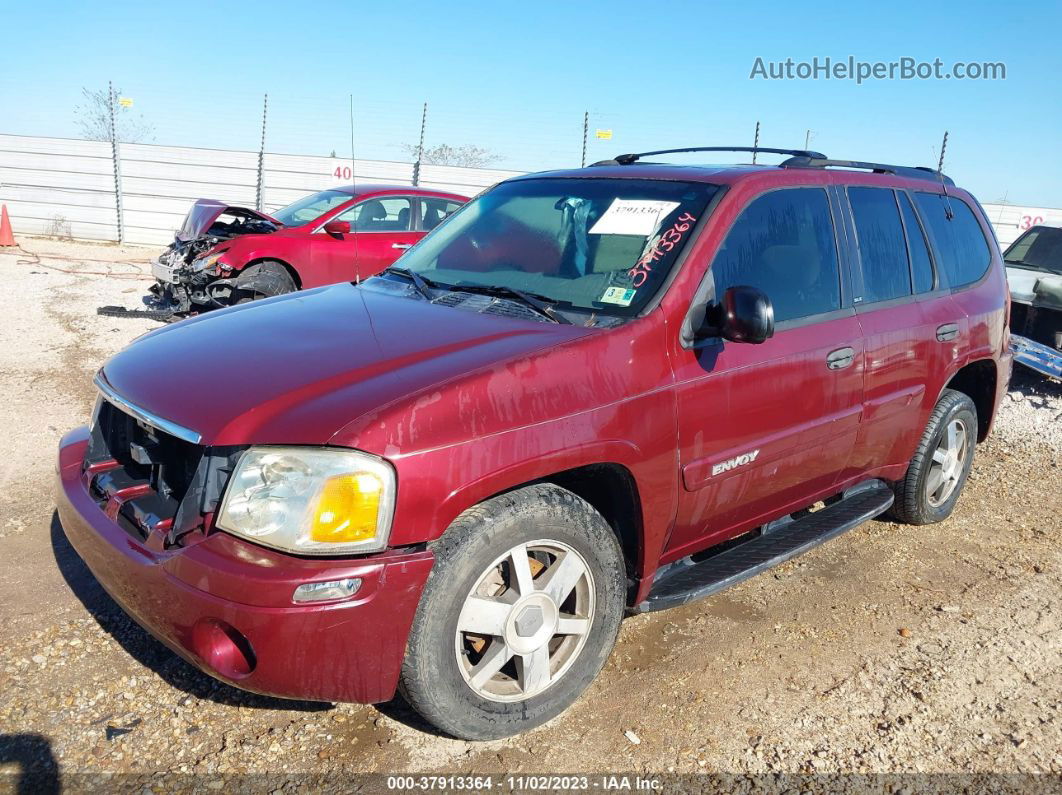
(687,580)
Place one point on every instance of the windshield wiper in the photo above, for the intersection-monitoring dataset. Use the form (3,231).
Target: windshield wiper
(540,303)
(421,284)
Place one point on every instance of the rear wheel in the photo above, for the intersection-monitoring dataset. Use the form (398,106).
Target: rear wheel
(519,614)
(262,280)
(941,464)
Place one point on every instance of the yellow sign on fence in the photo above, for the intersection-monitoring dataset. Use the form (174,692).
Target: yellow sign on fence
(125,102)
(605,134)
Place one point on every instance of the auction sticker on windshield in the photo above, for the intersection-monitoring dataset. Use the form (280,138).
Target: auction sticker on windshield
(632,217)
(621,296)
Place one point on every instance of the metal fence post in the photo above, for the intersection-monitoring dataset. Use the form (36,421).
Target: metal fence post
(755,143)
(420,146)
(260,193)
(117,160)
(586,130)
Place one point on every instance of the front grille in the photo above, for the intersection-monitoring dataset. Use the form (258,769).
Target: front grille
(143,472)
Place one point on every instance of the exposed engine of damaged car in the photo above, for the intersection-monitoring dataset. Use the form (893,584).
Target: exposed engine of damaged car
(190,275)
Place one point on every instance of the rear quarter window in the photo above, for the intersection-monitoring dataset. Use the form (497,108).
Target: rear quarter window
(962,252)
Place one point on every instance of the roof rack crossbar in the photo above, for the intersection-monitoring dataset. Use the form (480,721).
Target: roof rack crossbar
(626,160)
(914,172)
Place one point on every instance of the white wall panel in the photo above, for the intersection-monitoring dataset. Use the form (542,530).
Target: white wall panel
(1010,220)
(55,146)
(41,178)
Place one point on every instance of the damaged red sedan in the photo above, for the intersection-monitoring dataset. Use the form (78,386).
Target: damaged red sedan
(226,255)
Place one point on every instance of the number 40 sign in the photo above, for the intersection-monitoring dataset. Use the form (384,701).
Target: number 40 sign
(341,172)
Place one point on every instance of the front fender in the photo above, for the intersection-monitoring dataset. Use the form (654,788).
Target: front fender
(436,486)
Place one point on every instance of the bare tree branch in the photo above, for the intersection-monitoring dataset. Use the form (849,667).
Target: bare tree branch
(93,119)
(467,155)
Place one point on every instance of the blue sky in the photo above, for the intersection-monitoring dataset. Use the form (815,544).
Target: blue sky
(516,78)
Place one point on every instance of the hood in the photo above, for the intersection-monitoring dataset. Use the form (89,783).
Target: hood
(206,211)
(297,368)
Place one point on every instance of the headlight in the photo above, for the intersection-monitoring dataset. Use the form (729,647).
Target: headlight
(311,501)
(205,262)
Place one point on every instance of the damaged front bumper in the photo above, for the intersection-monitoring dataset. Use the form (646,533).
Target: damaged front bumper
(179,289)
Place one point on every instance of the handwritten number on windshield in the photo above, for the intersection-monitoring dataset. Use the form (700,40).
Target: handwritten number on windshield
(663,246)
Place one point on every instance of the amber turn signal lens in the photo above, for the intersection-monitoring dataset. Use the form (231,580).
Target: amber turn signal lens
(347,508)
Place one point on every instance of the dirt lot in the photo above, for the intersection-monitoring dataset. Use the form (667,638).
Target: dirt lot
(893,649)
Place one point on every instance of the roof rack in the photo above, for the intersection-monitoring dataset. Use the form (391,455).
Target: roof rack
(626,160)
(915,172)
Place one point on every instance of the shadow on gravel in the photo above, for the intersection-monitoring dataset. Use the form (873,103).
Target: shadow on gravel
(37,770)
(398,709)
(144,648)
(1034,385)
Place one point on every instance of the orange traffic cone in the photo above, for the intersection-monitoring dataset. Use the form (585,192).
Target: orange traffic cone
(7,237)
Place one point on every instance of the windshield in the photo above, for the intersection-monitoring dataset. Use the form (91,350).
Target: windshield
(1039,248)
(598,245)
(311,207)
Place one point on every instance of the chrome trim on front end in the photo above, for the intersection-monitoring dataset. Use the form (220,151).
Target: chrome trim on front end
(172,428)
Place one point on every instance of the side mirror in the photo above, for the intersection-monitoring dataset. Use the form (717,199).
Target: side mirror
(747,315)
(337,227)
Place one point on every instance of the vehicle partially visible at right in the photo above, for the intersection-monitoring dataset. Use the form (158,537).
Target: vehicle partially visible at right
(1034,274)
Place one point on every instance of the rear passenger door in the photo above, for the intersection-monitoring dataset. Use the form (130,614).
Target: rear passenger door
(909,324)
(764,429)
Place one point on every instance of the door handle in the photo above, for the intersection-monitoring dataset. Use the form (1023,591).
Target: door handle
(947,332)
(402,246)
(840,358)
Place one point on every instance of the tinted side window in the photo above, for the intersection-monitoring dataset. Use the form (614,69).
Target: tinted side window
(882,248)
(959,244)
(921,266)
(783,243)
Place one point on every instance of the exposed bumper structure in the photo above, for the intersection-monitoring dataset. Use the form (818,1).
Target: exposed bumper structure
(226,606)
(1036,356)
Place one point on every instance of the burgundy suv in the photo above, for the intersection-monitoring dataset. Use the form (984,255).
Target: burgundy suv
(590,392)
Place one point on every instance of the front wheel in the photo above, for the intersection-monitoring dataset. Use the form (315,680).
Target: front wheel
(520,612)
(941,464)
(264,280)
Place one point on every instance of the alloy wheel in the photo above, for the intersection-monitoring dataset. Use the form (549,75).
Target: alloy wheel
(525,621)
(946,468)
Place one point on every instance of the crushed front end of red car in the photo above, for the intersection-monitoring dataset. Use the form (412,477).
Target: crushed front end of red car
(189,275)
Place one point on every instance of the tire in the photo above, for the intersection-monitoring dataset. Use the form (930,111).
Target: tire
(263,280)
(920,497)
(448,673)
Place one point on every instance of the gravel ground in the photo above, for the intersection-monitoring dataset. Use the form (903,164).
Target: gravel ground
(924,651)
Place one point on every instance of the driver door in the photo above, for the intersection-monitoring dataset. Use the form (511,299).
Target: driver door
(765,428)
